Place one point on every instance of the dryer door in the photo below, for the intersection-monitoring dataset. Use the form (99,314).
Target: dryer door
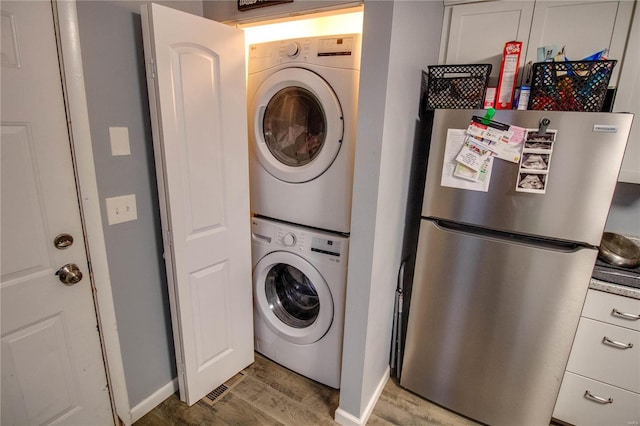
(292,297)
(297,125)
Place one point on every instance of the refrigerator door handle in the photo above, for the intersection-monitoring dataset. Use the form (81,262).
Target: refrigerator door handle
(529,240)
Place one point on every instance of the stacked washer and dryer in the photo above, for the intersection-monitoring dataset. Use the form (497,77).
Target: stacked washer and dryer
(303,97)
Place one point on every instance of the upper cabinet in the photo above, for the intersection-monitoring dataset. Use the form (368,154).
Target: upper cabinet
(582,27)
(227,11)
(475,32)
(628,100)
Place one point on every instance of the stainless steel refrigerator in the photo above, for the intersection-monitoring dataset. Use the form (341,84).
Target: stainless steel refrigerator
(501,276)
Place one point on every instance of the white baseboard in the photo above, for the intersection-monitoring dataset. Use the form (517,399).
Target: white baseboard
(154,400)
(347,419)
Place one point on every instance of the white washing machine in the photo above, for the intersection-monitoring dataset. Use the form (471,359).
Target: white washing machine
(303,96)
(299,291)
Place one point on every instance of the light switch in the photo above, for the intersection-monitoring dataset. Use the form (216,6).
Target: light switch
(121,209)
(119,137)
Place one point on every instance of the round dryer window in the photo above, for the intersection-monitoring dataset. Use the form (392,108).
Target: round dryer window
(292,297)
(294,126)
(297,125)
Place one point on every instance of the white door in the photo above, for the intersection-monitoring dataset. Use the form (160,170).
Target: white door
(52,366)
(196,78)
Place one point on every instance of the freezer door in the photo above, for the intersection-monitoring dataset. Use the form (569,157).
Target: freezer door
(583,172)
(491,323)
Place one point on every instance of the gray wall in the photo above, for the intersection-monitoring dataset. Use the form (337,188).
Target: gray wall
(624,216)
(111,42)
(401,39)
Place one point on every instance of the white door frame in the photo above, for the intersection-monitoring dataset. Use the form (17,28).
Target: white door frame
(80,135)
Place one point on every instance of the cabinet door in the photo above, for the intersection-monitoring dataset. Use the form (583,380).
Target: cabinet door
(606,353)
(478,32)
(575,406)
(583,27)
(627,100)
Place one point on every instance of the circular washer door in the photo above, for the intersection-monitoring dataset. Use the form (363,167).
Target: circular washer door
(297,125)
(292,297)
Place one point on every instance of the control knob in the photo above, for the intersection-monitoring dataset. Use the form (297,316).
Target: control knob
(289,240)
(292,50)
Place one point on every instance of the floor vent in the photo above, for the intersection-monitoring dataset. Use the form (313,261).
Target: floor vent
(218,393)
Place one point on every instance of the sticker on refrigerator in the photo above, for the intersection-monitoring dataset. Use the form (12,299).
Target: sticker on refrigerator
(535,161)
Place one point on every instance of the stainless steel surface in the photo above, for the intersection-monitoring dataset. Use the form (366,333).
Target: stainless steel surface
(491,323)
(617,313)
(616,344)
(582,177)
(619,250)
(601,400)
(69,274)
(63,241)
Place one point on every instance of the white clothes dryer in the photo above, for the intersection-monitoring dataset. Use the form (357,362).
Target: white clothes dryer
(303,96)
(299,289)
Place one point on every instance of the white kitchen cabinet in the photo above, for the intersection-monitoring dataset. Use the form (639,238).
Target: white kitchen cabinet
(477,32)
(227,11)
(628,100)
(582,27)
(575,408)
(602,382)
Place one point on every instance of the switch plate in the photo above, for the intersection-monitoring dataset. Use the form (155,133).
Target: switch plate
(119,137)
(121,209)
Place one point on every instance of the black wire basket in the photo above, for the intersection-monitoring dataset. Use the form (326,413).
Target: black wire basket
(570,85)
(457,86)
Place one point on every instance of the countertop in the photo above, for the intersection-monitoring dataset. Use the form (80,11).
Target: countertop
(615,288)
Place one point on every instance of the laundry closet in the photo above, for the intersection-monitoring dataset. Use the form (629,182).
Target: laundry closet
(392,57)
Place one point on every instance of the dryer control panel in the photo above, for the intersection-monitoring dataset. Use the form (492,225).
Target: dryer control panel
(336,51)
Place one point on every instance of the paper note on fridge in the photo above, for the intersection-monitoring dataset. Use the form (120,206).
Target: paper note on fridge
(458,175)
(504,140)
(472,154)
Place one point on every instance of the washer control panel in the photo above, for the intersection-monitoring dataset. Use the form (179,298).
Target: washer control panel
(300,240)
(326,246)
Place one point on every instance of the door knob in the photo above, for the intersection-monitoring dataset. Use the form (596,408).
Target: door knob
(69,274)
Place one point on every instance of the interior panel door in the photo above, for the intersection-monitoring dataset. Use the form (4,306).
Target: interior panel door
(52,365)
(197,91)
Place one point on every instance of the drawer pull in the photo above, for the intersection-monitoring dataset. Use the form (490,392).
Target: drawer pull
(625,315)
(615,344)
(598,399)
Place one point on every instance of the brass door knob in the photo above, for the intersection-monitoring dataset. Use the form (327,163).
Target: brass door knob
(69,274)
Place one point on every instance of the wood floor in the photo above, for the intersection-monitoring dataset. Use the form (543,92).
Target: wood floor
(268,394)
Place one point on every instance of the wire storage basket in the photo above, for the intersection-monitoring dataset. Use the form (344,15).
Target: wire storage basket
(457,86)
(570,85)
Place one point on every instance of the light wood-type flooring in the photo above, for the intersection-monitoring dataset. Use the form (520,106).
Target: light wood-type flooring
(269,394)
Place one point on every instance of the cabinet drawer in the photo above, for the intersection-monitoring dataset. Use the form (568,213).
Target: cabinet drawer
(591,356)
(600,306)
(573,406)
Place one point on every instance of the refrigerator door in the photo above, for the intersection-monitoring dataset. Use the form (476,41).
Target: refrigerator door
(582,177)
(491,323)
